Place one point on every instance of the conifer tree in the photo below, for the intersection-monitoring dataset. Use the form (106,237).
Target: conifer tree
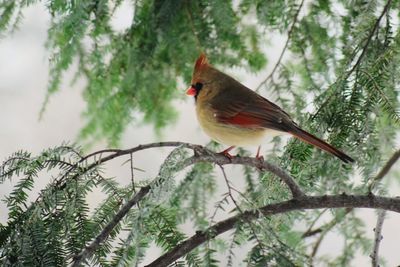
(340,62)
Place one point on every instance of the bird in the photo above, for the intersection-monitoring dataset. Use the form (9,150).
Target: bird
(234,115)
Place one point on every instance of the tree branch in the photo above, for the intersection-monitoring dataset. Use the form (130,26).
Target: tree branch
(219,159)
(345,75)
(201,155)
(89,250)
(378,238)
(310,232)
(369,38)
(386,168)
(307,202)
(325,229)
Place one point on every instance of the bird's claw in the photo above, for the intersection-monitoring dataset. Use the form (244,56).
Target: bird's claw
(226,154)
(260,158)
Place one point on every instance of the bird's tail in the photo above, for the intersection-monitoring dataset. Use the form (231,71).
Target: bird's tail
(315,141)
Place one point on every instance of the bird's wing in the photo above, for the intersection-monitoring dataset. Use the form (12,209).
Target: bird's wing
(252,112)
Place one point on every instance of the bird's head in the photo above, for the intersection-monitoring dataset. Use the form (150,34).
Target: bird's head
(200,69)
(204,75)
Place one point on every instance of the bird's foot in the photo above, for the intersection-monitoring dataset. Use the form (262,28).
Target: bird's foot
(226,152)
(258,156)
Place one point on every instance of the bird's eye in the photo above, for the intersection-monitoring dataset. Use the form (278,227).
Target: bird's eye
(198,86)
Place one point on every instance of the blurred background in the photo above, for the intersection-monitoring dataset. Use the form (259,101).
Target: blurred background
(24,74)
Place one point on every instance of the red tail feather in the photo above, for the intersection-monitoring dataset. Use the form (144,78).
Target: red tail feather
(315,141)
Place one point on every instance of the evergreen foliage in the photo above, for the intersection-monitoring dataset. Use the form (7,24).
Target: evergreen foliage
(341,66)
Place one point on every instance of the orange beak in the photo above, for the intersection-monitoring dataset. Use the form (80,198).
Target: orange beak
(191,91)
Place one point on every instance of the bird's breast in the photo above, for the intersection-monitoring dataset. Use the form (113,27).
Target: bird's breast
(229,134)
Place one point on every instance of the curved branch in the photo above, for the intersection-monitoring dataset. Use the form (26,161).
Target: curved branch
(201,155)
(219,159)
(118,153)
(307,202)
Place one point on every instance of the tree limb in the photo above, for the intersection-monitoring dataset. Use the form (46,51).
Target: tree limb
(299,201)
(201,155)
(307,202)
(253,162)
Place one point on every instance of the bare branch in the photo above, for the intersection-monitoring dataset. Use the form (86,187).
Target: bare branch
(378,238)
(307,202)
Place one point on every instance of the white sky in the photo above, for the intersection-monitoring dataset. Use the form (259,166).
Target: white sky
(24,76)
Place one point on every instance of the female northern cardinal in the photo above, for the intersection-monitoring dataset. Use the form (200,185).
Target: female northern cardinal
(232,114)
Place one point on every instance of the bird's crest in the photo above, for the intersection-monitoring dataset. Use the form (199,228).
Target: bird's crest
(201,62)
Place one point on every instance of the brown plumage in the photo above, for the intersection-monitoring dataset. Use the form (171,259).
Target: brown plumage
(232,114)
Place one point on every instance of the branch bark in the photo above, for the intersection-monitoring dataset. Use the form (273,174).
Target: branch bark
(378,238)
(299,200)
(307,202)
(201,155)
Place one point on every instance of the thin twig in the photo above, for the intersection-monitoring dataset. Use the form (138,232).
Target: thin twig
(369,38)
(310,232)
(378,238)
(270,76)
(132,174)
(345,75)
(249,222)
(324,230)
(386,168)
